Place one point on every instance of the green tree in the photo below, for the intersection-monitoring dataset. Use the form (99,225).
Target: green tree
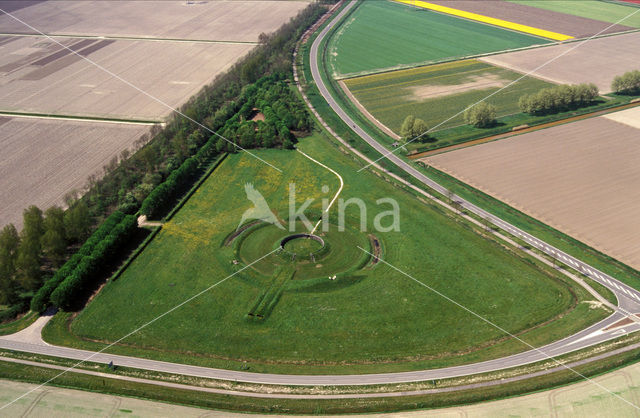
(482,115)
(419,128)
(30,250)
(54,242)
(247,135)
(406,130)
(9,243)
(287,144)
(524,103)
(267,134)
(77,222)
(628,83)
(221,145)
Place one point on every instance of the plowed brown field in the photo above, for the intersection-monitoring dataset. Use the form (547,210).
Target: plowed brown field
(581,178)
(43,159)
(596,61)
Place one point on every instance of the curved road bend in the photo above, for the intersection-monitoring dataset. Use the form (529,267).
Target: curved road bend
(628,297)
(602,331)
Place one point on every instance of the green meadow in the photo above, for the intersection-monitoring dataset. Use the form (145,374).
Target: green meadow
(282,315)
(383,34)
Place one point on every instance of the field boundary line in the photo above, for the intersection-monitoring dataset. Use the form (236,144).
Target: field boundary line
(334,197)
(529,30)
(560,364)
(111,73)
(48,116)
(366,112)
(129,38)
(511,134)
(146,324)
(213,166)
(428,63)
(577,45)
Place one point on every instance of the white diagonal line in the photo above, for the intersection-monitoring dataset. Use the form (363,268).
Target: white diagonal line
(579,44)
(152,97)
(334,197)
(499,328)
(139,328)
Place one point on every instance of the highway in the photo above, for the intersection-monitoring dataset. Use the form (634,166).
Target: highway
(607,329)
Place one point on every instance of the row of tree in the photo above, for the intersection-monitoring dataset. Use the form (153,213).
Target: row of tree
(558,98)
(129,178)
(91,267)
(39,247)
(82,269)
(548,100)
(627,83)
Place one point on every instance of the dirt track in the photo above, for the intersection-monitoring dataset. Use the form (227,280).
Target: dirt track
(580,178)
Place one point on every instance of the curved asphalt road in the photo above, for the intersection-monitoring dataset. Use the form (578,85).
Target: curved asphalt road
(629,301)
(628,297)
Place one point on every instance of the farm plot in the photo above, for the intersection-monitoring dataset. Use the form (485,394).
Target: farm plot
(381,34)
(240,21)
(372,315)
(43,159)
(629,117)
(436,93)
(596,61)
(551,20)
(592,9)
(39,76)
(581,178)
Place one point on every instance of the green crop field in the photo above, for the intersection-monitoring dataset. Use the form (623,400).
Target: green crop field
(383,34)
(436,93)
(591,9)
(284,314)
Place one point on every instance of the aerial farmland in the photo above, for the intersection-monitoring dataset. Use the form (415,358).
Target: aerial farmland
(545,16)
(380,26)
(597,61)
(168,72)
(151,57)
(321,207)
(437,92)
(581,178)
(39,162)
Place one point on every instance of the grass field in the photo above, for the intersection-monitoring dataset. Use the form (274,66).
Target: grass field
(592,9)
(374,315)
(381,34)
(436,93)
